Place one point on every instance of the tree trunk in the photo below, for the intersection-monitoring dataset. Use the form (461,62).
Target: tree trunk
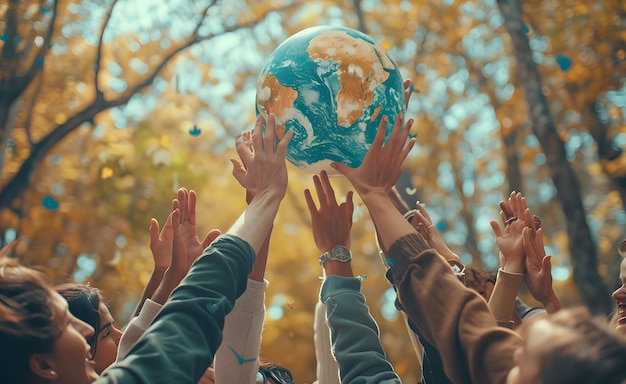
(582,249)
(606,151)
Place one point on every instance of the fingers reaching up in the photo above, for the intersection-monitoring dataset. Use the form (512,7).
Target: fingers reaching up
(382,165)
(262,168)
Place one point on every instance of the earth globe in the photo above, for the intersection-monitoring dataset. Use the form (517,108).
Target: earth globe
(331,86)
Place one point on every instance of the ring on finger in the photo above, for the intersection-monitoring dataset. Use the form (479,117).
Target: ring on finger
(510,220)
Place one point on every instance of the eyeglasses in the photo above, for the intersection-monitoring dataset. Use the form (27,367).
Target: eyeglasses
(279,374)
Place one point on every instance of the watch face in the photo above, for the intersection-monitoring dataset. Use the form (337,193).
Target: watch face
(341,254)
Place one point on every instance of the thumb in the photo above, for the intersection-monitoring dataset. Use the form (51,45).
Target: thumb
(154,231)
(239,171)
(210,237)
(546,264)
(341,168)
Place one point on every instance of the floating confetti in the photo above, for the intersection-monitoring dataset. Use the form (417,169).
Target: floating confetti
(195,131)
(564,62)
(362,277)
(50,203)
(44,10)
(441,226)
(526,29)
(386,44)
(410,191)
(391,262)
(291,303)
(106,173)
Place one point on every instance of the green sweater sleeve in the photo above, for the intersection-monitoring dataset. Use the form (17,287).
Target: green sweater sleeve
(354,334)
(181,342)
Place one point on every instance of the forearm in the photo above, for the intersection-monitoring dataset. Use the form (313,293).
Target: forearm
(137,327)
(390,224)
(254,225)
(551,303)
(354,334)
(455,319)
(502,300)
(327,369)
(237,359)
(155,279)
(184,337)
(258,269)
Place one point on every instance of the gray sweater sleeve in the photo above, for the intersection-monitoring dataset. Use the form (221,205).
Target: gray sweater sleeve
(354,334)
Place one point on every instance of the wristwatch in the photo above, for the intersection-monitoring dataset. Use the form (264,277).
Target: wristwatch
(338,252)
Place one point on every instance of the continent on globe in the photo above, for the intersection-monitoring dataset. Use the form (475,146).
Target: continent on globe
(331,86)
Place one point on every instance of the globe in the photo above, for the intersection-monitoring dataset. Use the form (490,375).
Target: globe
(331,86)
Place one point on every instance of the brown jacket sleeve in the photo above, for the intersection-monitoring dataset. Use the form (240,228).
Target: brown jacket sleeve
(453,318)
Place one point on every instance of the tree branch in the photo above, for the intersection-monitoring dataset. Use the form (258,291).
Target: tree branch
(38,62)
(13,85)
(98,62)
(29,116)
(359,14)
(23,178)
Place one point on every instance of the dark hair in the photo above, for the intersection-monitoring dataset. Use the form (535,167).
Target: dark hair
(26,323)
(83,302)
(588,352)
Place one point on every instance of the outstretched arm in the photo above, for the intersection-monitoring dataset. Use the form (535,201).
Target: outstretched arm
(455,319)
(183,339)
(263,172)
(539,270)
(354,333)
(175,265)
(161,248)
(515,216)
(237,358)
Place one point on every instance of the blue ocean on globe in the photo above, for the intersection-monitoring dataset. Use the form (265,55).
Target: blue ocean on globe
(331,86)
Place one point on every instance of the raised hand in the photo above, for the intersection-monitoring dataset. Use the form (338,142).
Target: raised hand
(161,247)
(332,222)
(188,230)
(261,168)
(515,216)
(161,241)
(262,171)
(539,270)
(421,221)
(382,165)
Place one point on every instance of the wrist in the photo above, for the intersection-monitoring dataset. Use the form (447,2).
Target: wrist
(338,268)
(551,303)
(513,266)
(373,194)
(269,195)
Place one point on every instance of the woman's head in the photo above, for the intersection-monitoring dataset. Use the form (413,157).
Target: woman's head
(569,347)
(86,303)
(40,338)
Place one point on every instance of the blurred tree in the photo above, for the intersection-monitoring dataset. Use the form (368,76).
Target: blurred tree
(25,47)
(85,202)
(582,249)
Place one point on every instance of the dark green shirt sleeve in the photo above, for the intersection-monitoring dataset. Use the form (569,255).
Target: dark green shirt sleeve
(182,341)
